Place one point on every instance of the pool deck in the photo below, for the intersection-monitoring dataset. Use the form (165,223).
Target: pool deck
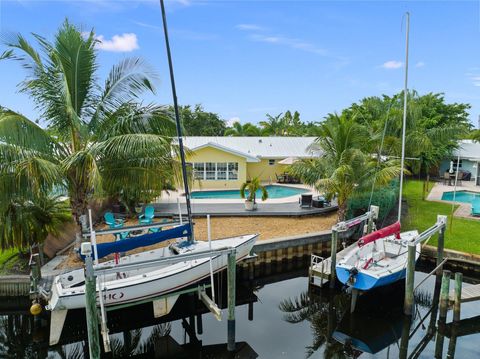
(464,210)
(238,209)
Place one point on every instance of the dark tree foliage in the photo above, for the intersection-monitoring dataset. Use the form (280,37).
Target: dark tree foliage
(198,122)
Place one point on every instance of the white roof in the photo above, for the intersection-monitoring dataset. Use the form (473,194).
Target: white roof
(468,149)
(257,147)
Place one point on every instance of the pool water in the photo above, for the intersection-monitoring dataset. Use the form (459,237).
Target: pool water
(274,191)
(461,196)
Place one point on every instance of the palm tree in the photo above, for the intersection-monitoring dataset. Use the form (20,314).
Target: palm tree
(97,139)
(342,168)
(238,129)
(252,187)
(25,222)
(274,126)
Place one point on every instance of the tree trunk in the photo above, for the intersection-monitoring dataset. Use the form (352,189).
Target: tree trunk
(79,204)
(342,211)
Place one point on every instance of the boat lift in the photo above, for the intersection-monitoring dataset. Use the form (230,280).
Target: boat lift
(322,270)
(161,305)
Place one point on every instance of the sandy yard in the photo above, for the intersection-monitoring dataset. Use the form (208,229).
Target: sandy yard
(267,227)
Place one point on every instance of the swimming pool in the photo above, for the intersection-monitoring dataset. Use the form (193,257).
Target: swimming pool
(461,196)
(274,191)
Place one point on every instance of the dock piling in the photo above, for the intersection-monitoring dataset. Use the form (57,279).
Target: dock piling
(231,301)
(441,242)
(442,318)
(409,280)
(333,257)
(457,297)
(91,309)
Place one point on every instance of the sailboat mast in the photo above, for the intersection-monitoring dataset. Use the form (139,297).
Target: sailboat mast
(177,120)
(404,124)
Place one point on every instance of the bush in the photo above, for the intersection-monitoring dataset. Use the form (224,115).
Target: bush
(385,197)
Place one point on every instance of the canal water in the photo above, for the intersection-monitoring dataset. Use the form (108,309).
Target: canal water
(278,316)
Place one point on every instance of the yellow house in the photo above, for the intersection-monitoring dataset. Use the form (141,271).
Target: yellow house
(227,162)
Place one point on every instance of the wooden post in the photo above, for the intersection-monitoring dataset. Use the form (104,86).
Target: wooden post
(458,297)
(403,351)
(440,244)
(91,309)
(444,294)
(199,324)
(231,302)
(333,257)
(452,344)
(250,311)
(409,280)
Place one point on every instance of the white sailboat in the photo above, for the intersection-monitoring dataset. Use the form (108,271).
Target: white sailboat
(137,284)
(380,258)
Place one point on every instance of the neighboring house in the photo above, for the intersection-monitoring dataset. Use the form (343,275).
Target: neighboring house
(469,160)
(227,162)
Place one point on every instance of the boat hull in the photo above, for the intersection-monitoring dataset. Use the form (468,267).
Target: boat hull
(152,284)
(365,281)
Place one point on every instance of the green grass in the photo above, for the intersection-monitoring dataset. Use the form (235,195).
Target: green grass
(461,235)
(8,260)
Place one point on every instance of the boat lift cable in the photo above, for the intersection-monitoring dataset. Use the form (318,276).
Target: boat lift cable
(177,121)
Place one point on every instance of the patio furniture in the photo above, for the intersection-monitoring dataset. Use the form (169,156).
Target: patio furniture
(112,221)
(280,179)
(318,202)
(476,207)
(147,217)
(305,200)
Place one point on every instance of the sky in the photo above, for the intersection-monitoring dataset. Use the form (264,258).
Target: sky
(244,59)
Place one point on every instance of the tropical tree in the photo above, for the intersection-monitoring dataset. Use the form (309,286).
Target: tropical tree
(342,169)
(97,140)
(249,189)
(198,122)
(25,222)
(274,125)
(432,132)
(247,129)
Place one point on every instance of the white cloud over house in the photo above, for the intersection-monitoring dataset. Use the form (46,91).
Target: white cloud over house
(392,64)
(118,43)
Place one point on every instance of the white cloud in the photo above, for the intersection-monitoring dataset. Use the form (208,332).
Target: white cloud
(420,64)
(231,121)
(119,43)
(290,42)
(249,27)
(392,64)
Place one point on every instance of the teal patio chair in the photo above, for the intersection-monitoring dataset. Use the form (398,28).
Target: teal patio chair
(112,222)
(476,207)
(147,217)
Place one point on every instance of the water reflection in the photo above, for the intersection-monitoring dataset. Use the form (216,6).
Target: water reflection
(291,321)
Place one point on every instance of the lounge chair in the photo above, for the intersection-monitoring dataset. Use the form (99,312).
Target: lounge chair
(476,207)
(147,217)
(305,200)
(112,221)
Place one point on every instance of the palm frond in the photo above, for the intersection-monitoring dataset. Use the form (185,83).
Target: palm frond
(126,82)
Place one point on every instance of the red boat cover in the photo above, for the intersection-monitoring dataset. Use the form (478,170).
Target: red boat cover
(381,233)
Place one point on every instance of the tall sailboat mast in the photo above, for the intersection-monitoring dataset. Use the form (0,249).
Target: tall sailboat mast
(177,120)
(404,124)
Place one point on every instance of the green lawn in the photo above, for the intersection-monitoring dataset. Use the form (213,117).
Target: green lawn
(463,235)
(8,259)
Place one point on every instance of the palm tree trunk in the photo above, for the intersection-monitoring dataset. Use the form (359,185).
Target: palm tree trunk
(79,204)
(342,211)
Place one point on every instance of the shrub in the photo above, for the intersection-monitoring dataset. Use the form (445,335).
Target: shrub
(385,197)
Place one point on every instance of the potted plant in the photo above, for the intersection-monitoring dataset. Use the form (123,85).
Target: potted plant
(252,187)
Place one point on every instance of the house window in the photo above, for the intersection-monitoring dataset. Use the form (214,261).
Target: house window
(199,170)
(271,162)
(221,171)
(215,171)
(233,170)
(210,169)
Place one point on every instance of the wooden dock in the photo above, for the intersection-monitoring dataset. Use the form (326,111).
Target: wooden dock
(470,293)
